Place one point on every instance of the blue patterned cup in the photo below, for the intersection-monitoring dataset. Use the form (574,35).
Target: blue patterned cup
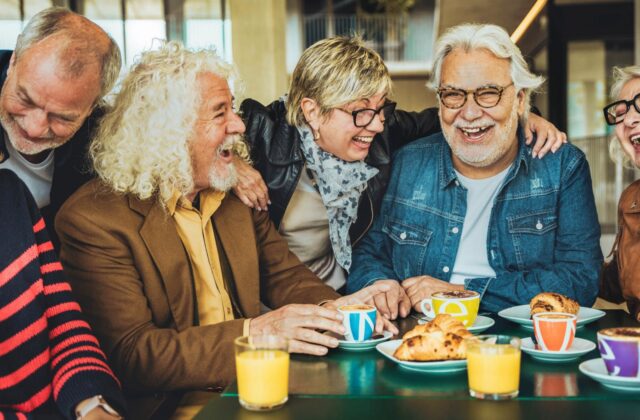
(620,350)
(359,321)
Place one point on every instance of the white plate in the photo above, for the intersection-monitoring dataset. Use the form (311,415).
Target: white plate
(363,345)
(481,324)
(522,315)
(596,370)
(447,366)
(580,347)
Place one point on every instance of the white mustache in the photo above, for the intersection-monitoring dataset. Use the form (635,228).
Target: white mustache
(229,142)
(48,136)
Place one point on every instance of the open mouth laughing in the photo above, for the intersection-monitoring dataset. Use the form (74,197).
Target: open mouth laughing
(476,133)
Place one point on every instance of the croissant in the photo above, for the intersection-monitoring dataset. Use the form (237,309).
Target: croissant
(553,302)
(440,339)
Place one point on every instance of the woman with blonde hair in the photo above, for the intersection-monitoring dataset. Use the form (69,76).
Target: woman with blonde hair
(324,151)
(620,281)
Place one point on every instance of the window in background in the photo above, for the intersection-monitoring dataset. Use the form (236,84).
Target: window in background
(10,23)
(108,15)
(206,26)
(144,23)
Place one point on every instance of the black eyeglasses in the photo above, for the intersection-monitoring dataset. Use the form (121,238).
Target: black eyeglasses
(364,117)
(614,113)
(485,96)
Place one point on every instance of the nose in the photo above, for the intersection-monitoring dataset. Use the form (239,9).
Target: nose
(235,125)
(377,124)
(470,110)
(35,123)
(632,117)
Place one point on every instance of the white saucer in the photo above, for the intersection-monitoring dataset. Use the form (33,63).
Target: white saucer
(596,370)
(522,315)
(580,347)
(481,324)
(447,366)
(363,345)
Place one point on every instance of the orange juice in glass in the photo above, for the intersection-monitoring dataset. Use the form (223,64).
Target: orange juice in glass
(493,366)
(262,368)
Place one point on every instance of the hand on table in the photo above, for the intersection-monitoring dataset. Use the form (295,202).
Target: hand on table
(370,295)
(422,287)
(393,302)
(548,137)
(250,189)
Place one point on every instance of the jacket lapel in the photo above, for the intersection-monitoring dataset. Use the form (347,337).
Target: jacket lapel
(231,224)
(165,247)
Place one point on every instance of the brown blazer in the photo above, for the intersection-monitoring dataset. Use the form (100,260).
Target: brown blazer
(132,276)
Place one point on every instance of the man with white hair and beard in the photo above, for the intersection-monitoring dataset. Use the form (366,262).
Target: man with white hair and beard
(167,266)
(51,89)
(470,208)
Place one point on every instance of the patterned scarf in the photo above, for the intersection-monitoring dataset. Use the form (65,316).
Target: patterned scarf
(340,184)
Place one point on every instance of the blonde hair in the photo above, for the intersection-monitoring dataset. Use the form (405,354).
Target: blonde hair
(494,39)
(334,72)
(621,76)
(141,146)
(81,42)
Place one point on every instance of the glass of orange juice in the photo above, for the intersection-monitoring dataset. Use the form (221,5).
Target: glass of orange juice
(262,368)
(493,365)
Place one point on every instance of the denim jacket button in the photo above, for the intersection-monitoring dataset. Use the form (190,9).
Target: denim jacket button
(455,230)
(538,225)
(445,269)
(403,235)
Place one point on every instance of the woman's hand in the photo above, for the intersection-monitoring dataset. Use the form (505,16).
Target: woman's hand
(548,137)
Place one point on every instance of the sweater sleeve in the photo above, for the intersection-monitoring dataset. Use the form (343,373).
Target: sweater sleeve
(79,368)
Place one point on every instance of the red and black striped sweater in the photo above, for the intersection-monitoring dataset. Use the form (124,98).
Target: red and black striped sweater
(48,354)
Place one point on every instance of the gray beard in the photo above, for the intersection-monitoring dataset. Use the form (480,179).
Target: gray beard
(223,183)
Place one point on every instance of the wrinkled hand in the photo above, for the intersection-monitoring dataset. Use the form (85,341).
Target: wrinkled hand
(299,323)
(394,302)
(422,287)
(368,295)
(548,137)
(250,189)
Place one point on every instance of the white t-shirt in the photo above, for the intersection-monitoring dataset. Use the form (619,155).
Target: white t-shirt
(471,259)
(37,176)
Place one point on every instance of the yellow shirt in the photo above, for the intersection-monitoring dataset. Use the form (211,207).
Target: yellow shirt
(214,304)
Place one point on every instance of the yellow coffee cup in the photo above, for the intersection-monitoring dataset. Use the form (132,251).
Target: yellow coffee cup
(462,304)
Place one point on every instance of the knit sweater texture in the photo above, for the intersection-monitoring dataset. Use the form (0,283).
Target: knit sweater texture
(48,355)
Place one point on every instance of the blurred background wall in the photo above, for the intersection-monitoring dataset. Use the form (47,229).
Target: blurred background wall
(573,43)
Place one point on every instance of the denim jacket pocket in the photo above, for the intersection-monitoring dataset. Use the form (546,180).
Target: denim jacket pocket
(408,246)
(533,236)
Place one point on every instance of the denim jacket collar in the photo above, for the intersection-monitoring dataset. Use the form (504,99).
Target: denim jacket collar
(447,174)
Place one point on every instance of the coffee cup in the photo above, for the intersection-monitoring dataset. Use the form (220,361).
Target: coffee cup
(462,304)
(620,350)
(359,321)
(554,331)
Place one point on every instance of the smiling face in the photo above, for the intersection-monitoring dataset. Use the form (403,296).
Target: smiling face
(41,108)
(216,128)
(337,132)
(628,131)
(483,140)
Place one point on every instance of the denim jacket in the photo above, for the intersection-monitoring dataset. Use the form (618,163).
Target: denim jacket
(543,233)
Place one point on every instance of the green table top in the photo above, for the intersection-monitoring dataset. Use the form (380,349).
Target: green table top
(366,382)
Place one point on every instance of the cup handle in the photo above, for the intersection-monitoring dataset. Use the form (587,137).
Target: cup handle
(428,313)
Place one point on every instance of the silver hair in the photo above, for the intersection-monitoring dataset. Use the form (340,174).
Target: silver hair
(78,33)
(494,39)
(621,76)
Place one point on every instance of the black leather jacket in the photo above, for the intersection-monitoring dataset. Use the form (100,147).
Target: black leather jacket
(276,153)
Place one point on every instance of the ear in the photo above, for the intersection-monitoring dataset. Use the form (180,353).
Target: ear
(521,102)
(311,112)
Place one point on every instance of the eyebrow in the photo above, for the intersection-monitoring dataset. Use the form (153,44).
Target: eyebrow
(27,98)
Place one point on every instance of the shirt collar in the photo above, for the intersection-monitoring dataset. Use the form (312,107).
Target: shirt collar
(447,174)
(210,201)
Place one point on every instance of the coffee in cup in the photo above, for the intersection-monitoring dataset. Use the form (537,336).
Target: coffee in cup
(620,350)
(462,304)
(359,321)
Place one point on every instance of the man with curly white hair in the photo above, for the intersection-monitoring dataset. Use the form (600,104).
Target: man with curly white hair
(168,267)
(470,208)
